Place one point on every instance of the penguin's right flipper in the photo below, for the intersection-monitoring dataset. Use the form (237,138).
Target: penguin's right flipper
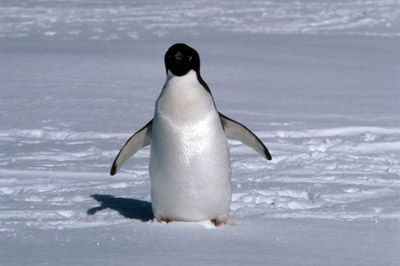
(237,131)
(139,140)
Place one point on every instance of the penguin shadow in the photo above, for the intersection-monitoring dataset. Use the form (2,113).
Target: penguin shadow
(129,208)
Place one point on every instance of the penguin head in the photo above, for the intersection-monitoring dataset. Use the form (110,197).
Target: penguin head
(180,59)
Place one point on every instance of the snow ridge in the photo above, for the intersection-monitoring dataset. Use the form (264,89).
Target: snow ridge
(100,20)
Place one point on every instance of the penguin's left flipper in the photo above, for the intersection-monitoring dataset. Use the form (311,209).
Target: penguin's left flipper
(139,140)
(237,131)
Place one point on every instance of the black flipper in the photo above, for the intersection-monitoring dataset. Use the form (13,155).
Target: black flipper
(237,131)
(139,140)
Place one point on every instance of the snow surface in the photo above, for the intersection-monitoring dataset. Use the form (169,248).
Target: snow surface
(317,81)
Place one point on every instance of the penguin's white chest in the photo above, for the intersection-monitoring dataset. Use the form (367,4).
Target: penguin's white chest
(189,159)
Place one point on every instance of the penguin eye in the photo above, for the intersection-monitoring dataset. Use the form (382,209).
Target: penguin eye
(189,57)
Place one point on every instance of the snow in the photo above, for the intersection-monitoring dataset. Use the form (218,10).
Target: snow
(317,81)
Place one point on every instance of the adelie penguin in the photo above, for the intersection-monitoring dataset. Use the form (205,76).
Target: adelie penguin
(190,169)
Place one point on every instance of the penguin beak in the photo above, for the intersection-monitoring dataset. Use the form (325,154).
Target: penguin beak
(178,56)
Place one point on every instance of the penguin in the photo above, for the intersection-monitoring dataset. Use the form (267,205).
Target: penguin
(189,167)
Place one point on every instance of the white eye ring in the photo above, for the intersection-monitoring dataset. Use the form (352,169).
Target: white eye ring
(189,57)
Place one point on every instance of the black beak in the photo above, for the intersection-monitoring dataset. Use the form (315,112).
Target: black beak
(178,56)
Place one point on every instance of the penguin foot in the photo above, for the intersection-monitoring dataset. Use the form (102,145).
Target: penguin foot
(163,220)
(220,220)
(217,223)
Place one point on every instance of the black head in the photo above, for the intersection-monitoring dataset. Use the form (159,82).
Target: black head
(180,59)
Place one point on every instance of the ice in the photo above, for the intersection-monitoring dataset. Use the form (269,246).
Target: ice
(317,81)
